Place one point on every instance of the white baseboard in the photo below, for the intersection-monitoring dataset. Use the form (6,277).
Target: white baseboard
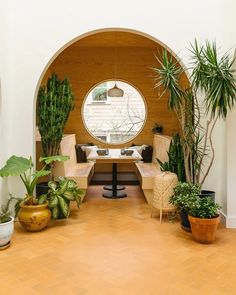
(227,221)
(231,221)
(223,218)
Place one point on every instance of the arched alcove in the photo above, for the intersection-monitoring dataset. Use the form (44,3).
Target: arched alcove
(90,58)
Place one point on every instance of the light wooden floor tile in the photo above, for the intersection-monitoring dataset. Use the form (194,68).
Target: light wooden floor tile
(114,247)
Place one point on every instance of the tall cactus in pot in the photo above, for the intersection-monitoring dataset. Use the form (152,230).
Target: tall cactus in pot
(55,101)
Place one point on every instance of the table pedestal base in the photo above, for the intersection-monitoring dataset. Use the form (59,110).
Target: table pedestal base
(118,195)
(110,187)
(114,189)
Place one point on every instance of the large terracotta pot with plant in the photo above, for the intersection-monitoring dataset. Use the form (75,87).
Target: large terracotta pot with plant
(33,212)
(204,220)
(34,217)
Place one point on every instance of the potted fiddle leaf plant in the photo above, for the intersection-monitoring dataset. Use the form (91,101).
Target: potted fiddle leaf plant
(60,194)
(32,212)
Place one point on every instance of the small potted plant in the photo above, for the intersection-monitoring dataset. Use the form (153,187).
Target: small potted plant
(185,196)
(6,225)
(204,219)
(60,194)
(32,212)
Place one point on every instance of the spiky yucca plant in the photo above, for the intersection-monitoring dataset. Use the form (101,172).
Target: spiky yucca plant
(214,77)
(175,161)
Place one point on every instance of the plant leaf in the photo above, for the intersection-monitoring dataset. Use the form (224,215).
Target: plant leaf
(78,200)
(53,202)
(42,199)
(55,212)
(15,166)
(49,160)
(64,206)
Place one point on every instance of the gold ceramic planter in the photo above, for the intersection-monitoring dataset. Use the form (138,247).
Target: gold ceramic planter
(34,217)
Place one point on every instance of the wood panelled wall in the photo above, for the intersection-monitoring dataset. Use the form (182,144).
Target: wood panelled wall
(91,60)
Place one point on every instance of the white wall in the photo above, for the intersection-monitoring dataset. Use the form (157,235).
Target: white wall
(36,30)
(229,36)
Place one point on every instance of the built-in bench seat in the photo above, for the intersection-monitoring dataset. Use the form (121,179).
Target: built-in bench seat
(82,173)
(146,172)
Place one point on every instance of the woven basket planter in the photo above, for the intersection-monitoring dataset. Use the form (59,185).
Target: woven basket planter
(164,184)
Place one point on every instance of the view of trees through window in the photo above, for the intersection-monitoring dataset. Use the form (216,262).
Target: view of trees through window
(114,119)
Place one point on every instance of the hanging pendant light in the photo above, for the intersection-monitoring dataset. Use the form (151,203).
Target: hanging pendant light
(115,91)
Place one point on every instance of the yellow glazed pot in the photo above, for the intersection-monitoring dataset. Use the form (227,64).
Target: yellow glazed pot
(34,217)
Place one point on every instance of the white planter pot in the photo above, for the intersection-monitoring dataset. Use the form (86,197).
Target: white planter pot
(6,231)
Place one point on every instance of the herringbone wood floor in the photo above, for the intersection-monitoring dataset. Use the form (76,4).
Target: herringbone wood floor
(114,247)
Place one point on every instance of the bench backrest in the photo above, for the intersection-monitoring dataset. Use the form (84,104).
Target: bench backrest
(161,145)
(67,148)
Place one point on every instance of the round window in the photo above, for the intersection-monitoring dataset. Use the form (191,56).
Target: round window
(114,119)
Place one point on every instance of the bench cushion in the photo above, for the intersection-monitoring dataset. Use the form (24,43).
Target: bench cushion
(80,153)
(146,173)
(82,174)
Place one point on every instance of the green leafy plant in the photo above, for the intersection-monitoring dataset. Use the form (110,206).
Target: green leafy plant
(185,196)
(5,214)
(175,161)
(60,194)
(212,76)
(23,167)
(204,208)
(54,103)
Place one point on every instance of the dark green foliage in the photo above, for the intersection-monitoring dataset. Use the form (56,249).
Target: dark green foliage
(185,195)
(55,101)
(215,76)
(204,208)
(60,194)
(168,76)
(176,159)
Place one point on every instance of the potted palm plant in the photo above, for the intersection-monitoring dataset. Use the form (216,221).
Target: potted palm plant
(214,78)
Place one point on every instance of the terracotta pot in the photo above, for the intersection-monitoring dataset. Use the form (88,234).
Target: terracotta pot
(204,230)
(34,217)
